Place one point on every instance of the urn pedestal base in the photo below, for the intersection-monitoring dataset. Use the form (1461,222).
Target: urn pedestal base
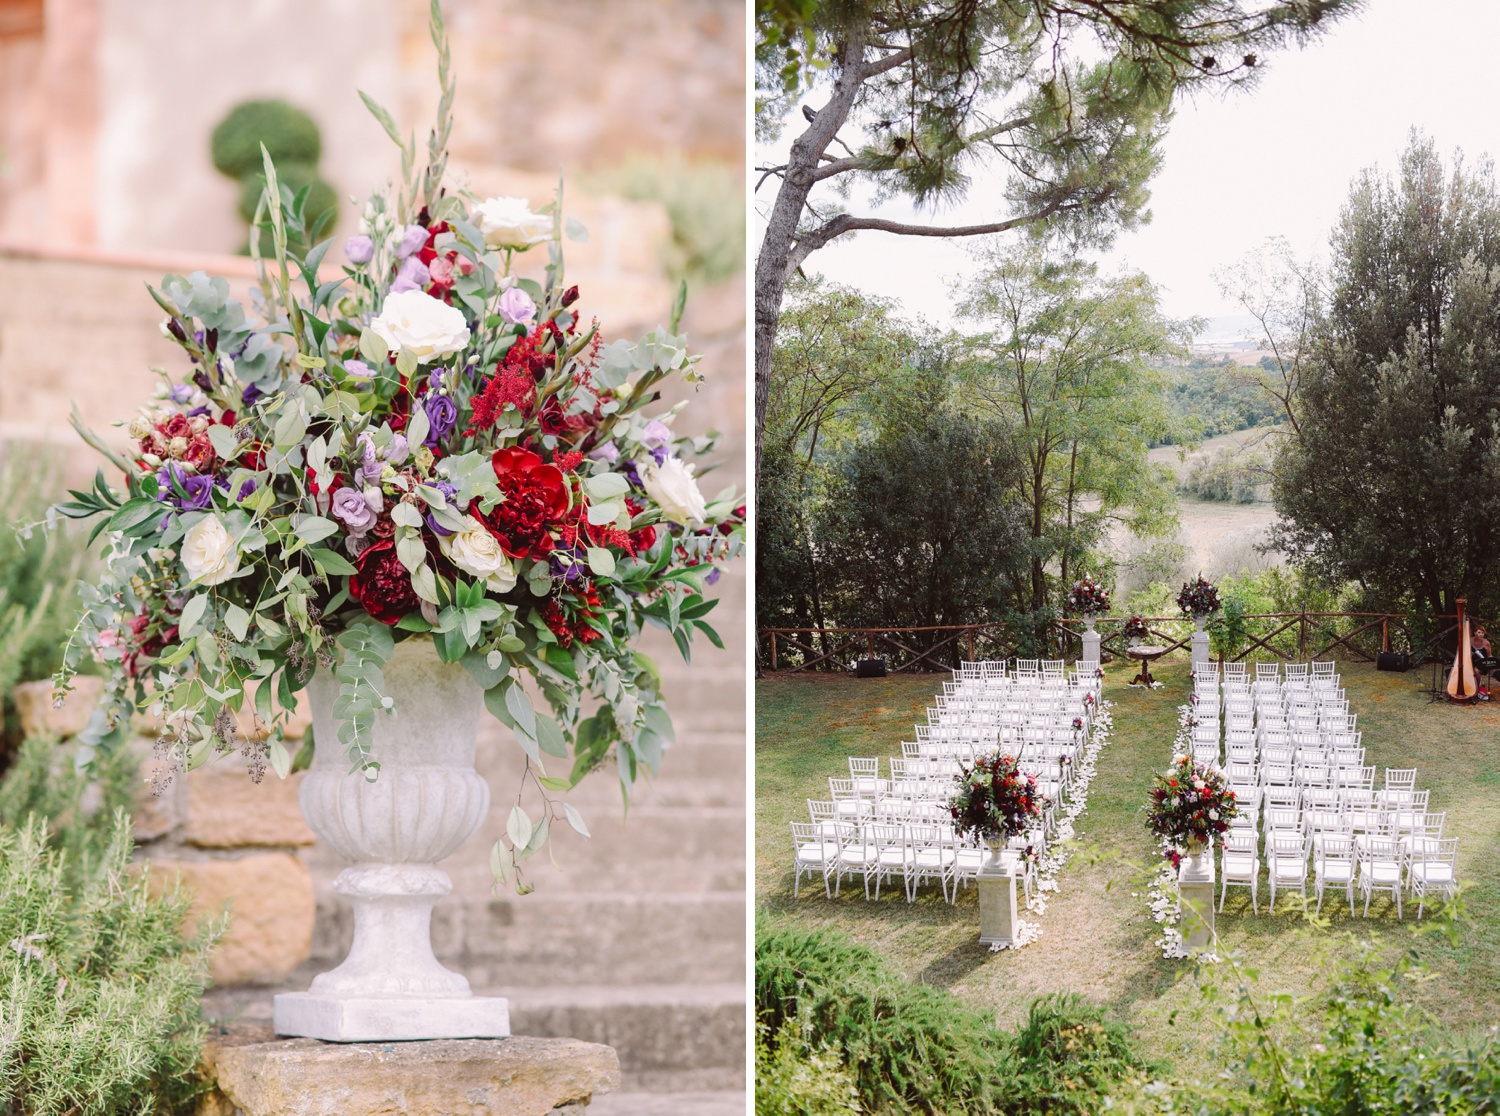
(1091,640)
(997,906)
(1201,654)
(1195,899)
(390,1018)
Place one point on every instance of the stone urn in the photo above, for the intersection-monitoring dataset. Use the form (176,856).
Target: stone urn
(1195,895)
(997,899)
(427,801)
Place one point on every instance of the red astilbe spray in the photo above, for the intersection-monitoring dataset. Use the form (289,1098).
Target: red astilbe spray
(515,380)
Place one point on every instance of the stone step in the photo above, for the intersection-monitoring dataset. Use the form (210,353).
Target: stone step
(669,1104)
(574,939)
(670,1038)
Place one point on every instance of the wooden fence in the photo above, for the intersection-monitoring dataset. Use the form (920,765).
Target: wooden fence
(1290,636)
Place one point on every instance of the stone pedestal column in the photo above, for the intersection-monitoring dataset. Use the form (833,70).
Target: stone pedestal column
(1201,654)
(1090,651)
(1195,897)
(997,903)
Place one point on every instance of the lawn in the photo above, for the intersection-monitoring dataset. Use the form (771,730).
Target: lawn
(1097,933)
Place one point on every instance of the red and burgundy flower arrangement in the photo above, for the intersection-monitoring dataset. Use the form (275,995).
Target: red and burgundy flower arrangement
(412,443)
(1190,802)
(1136,628)
(1088,597)
(995,800)
(1199,598)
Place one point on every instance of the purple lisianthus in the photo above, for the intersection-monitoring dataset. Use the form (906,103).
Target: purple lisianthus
(412,276)
(442,417)
(656,434)
(412,239)
(246,489)
(359,368)
(660,455)
(608,452)
(359,249)
(349,505)
(449,492)
(398,449)
(516,307)
(250,395)
(628,470)
(190,492)
(572,570)
(181,393)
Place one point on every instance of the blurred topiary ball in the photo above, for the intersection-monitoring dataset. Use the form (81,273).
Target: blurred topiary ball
(288,133)
(294,176)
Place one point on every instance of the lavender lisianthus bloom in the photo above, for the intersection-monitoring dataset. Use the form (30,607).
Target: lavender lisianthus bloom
(196,489)
(608,452)
(360,369)
(359,249)
(412,276)
(398,450)
(442,417)
(349,505)
(660,455)
(516,307)
(656,434)
(412,239)
(180,393)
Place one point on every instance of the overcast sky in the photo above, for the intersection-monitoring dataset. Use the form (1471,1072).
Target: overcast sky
(1246,166)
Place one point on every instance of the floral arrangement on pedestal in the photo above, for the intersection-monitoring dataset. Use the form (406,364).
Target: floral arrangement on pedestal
(995,799)
(1088,598)
(1190,804)
(1199,598)
(415,444)
(1135,630)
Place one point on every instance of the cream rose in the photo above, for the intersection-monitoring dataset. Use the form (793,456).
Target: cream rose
(208,553)
(475,551)
(428,327)
(672,486)
(509,223)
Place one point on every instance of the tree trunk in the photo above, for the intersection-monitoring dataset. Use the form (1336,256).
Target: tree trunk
(773,263)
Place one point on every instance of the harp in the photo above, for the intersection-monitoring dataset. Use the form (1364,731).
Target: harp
(1462,683)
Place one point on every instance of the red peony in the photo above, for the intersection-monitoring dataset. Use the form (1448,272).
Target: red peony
(536,498)
(383,585)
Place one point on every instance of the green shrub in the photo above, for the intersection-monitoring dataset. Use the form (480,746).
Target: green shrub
(915,1048)
(39,573)
(99,986)
(288,133)
(705,203)
(794,1078)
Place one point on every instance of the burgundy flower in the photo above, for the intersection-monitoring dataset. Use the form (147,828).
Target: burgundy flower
(536,497)
(383,585)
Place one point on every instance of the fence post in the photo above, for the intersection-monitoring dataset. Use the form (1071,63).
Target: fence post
(1385,634)
(971,645)
(1302,635)
(773,650)
(872,645)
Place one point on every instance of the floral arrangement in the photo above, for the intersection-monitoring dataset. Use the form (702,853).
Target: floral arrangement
(1190,802)
(1199,598)
(995,799)
(1136,628)
(1088,597)
(416,445)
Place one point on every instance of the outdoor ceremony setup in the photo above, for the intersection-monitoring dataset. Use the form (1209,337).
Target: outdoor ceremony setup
(912,825)
(1302,801)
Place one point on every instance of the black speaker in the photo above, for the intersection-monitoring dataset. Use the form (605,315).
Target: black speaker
(1399,661)
(869,668)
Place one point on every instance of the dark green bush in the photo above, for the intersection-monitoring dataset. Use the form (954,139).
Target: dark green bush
(288,133)
(915,1048)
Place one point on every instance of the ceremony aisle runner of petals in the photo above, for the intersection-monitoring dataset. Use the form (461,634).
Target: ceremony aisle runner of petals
(1060,851)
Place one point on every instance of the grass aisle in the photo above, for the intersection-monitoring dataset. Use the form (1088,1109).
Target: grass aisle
(1098,938)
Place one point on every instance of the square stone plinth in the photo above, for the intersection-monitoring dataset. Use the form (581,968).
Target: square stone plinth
(261,1075)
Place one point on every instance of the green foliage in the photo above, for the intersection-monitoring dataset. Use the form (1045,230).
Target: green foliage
(1229,476)
(705,202)
(321,197)
(1212,399)
(793,1077)
(916,1048)
(1392,477)
(39,571)
(100,1013)
(290,135)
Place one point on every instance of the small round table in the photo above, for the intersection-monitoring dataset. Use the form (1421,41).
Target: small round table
(1145,653)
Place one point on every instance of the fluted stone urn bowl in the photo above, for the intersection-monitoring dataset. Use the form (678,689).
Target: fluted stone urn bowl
(426,802)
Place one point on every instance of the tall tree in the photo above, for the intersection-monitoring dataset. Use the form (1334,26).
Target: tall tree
(1392,477)
(1069,97)
(1067,365)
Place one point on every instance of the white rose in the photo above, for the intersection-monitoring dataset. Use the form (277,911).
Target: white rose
(208,553)
(428,327)
(673,488)
(509,223)
(475,551)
